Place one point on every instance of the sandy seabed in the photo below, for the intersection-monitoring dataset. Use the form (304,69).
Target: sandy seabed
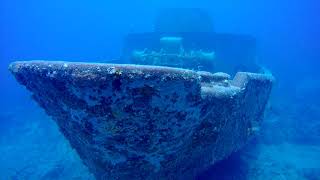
(32,147)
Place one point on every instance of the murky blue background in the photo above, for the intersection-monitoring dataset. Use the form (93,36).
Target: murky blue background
(288,35)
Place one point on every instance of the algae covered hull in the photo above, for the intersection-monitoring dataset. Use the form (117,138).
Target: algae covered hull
(147,122)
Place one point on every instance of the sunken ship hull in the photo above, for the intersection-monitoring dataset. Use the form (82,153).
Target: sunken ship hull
(147,122)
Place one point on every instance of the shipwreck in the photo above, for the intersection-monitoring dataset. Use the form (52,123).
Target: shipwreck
(168,113)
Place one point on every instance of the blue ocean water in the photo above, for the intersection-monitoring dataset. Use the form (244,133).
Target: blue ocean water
(287,34)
